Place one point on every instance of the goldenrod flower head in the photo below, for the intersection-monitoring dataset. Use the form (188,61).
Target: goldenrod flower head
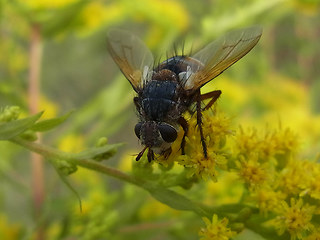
(295,219)
(297,177)
(9,230)
(252,172)
(309,174)
(216,229)
(199,165)
(215,128)
(246,142)
(267,198)
(47,4)
(267,147)
(286,140)
(72,143)
(314,186)
(96,14)
(315,235)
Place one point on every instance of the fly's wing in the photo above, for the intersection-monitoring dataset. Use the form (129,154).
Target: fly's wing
(221,54)
(132,56)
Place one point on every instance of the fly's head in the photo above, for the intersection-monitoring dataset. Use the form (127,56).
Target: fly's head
(156,136)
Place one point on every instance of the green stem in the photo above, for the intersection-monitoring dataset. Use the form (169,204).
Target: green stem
(110,172)
(160,193)
(164,195)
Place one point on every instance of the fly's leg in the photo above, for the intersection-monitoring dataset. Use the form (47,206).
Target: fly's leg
(184,124)
(150,155)
(214,95)
(199,123)
(167,153)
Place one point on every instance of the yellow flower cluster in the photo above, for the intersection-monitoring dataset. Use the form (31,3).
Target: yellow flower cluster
(296,218)
(216,129)
(275,179)
(274,176)
(96,14)
(216,229)
(47,4)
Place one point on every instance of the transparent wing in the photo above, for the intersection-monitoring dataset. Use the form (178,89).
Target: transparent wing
(221,54)
(132,56)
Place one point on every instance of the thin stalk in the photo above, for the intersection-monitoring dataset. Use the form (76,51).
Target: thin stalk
(33,97)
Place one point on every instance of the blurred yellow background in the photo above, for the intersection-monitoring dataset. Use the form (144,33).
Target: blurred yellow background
(53,57)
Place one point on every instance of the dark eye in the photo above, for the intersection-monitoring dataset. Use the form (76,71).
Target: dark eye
(137,129)
(168,133)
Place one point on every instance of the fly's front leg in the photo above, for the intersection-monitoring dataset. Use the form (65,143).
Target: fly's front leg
(150,155)
(199,122)
(185,126)
(167,153)
(214,95)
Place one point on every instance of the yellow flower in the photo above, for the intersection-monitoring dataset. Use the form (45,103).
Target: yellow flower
(8,231)
(315,235)
(267,198)
(297,177)
(216,229)
(50,108)
(228,190)
(47,4)
(153,209)
(295,219)
(309,172)
(286,140)
(314,186)
(199,165)
(215,128)
(307,7)
(97,14)
(252,172)
(72,143)
(125,163)
(267,147)
(246,142)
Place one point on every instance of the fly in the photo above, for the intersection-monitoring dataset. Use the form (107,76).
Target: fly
(166,91)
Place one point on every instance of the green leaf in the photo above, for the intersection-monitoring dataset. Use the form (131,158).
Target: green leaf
(107,151)
(14,128)
(49,124)
(65,181)
(174,199)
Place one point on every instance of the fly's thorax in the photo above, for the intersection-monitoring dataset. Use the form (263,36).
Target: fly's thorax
(157,98)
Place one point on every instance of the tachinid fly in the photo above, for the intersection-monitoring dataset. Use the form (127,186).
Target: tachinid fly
(166,91)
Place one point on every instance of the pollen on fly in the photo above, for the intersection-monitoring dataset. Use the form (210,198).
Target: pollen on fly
(168,89)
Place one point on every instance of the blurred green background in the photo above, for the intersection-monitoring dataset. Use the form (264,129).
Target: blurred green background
(63,42)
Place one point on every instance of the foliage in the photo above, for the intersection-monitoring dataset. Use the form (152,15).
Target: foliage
(261,178)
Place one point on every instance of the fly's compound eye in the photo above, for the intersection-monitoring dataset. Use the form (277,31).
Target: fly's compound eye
(137,129)
(168,133)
